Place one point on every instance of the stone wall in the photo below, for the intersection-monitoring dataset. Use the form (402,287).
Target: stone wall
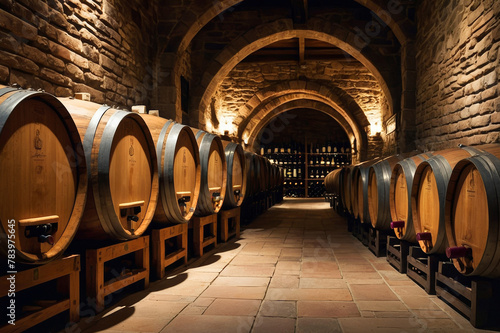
(105,48)
(458,68)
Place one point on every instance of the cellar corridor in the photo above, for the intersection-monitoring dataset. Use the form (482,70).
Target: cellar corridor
(295,268)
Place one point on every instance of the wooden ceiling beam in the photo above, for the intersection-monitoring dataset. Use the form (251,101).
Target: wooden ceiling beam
(302,49)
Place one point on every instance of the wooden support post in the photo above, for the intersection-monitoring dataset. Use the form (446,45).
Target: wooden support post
(161,259)
(377,242)
(397,253)
(66,272)
(200,240)
(97,288)
(422,269)
(229,223)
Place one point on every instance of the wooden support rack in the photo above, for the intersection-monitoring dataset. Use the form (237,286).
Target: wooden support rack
(96,259)
(200,240)
(66,273)
(160,258)
(350,223)
(356,229)
(475,297)
(422,268)
(229,223)
(397,253)
(377,242)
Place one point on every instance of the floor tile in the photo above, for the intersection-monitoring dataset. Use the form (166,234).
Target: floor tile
(372,292)
(209,324)
(273,324)
(278,309)
(233,307)
(241,281)
(235,292)
(318,325)
(327,309)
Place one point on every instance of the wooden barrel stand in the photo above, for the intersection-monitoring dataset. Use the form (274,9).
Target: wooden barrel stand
(474,297)
(377,241)
(397,253)
(97,287)
(200,238)
(160,257)
(229,223)
(422,268)
(65,271)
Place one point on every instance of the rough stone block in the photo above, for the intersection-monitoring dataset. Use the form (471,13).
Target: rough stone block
(4,74)
(21,63)
(480,121)
(18,27)
(55,77)
(75,73)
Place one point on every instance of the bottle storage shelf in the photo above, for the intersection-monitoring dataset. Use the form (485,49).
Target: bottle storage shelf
(306,166)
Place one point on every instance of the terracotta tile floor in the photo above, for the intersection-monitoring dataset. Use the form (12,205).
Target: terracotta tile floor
(294,269)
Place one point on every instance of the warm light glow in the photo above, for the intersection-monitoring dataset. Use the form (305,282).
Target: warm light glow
(208,126)
(375,128)
(226,125)
(245,137)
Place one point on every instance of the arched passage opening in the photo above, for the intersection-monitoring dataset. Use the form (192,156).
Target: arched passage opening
(307,144)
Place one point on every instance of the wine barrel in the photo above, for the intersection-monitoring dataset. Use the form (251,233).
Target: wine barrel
(379,178)
(345,194)
(428,196)
(400,196)
(472,217)
(236,175)
(213,173)
(359,190)
(253,170)
(264,175)
(180,170)
(122,171)
(43,176)
(333,181)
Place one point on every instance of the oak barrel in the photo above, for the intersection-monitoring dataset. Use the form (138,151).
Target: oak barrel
(263,175)
(400,196)
(379,179)
(43,176)
(122,171)
(333,181)
(213,173)
(236,174)
(359,190)
(472,217)
(253,165)
(345,193)
(428,196)
(180,170)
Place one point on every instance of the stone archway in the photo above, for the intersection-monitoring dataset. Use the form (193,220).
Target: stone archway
(285,91)
(283,29)
(354,134)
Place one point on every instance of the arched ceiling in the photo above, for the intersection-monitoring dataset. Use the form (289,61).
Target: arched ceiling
(219,38)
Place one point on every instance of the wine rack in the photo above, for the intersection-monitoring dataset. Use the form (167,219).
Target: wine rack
(306,165)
